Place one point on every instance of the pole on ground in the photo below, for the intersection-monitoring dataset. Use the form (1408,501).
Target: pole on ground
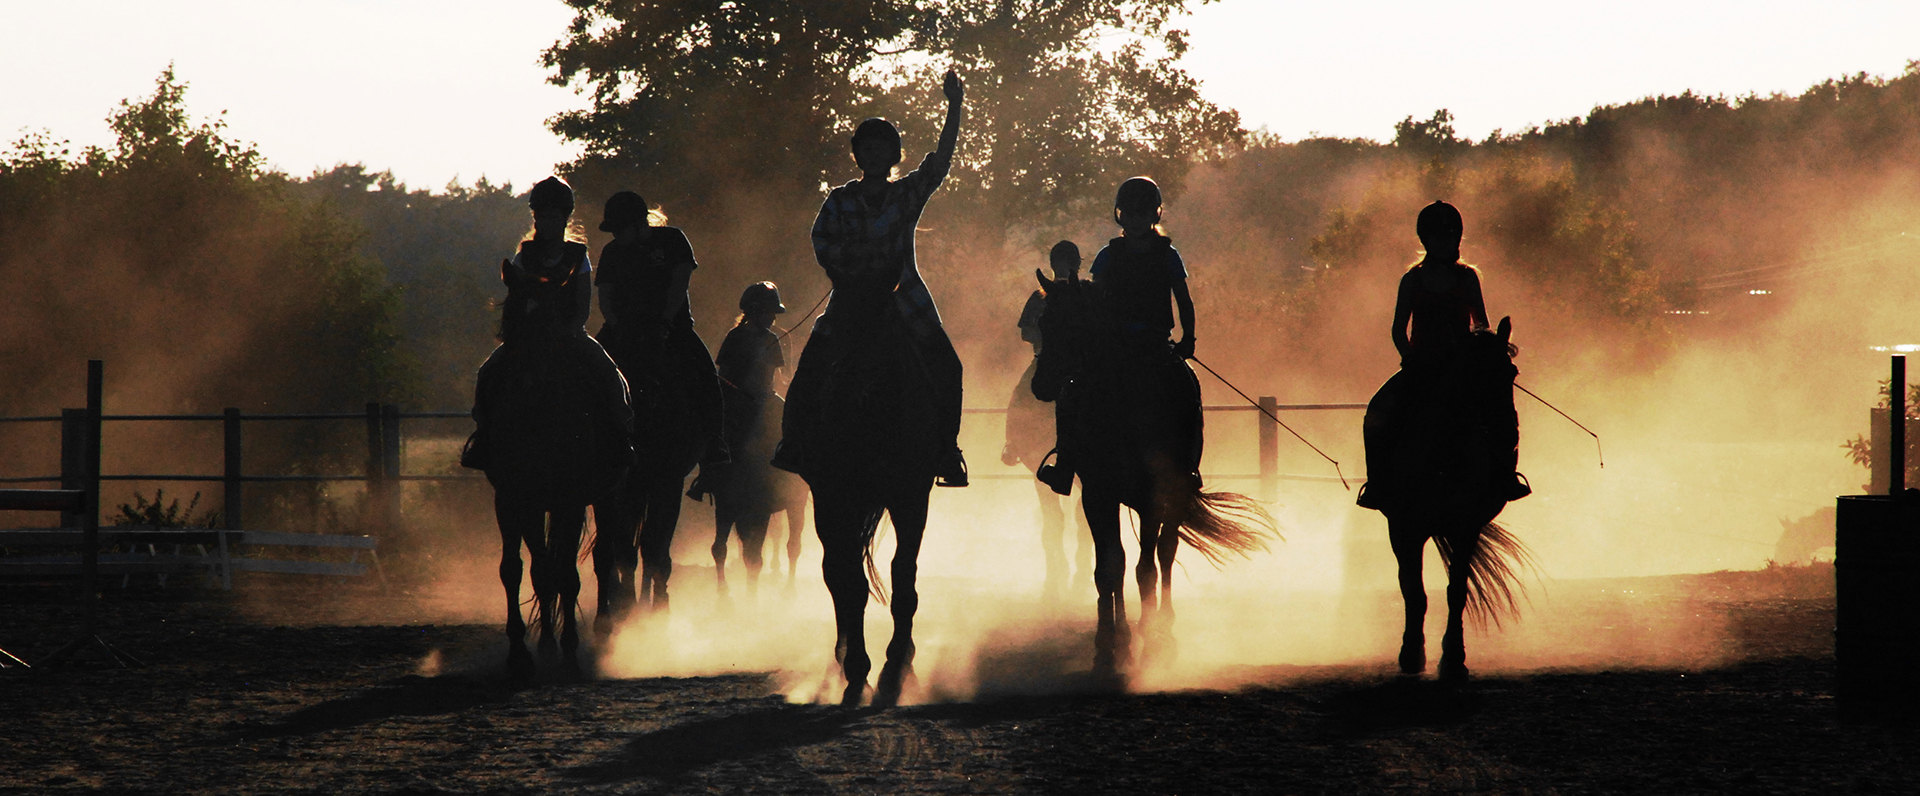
(90,538)
(1897,427)
(1269,448)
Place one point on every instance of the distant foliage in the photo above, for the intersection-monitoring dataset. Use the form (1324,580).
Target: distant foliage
(195,272)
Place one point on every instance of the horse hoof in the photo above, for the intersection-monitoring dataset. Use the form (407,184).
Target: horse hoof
(1413,660)
(519,666)
(1453,671)
(850,698)
(893,680)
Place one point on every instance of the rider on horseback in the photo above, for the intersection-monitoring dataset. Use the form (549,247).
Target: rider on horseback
(1438,307)
(549,288)
(1134,276)
(644,272)
(749,358)
(1065,261)
(864,238)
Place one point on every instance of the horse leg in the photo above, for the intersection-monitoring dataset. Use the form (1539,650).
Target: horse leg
(910,523)
(1453,648)
(1083,547)
(723,521)
(514,521)
(796,523)
(656,541)
(541,566)
(563,551)
(1164,551)
(1111,642)
(614,559)
(1053,540)
(753,543)
(1409,546)
(842,565)
(1147,575)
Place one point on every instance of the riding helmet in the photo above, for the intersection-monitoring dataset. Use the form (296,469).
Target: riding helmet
(1439,221)
(551,193)
(1139,194)
(761,297)
(623,208)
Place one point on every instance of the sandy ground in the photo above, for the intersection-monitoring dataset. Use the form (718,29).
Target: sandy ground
(282,687)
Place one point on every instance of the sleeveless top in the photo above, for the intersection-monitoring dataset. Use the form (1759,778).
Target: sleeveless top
(1138,285)
(1440,319)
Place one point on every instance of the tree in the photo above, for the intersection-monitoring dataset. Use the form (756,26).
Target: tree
(741,110)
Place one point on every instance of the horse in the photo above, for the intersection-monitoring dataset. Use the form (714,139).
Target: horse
(635,522)
(873,451)
(1135,441)
(1456,448)
(750,491)
(550,455)
(1029,439)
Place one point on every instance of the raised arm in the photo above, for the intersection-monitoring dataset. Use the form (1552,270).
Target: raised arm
(956,92)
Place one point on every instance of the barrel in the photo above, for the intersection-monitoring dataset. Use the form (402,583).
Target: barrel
(1876,640)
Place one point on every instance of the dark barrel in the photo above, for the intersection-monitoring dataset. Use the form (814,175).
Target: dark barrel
(1876,617)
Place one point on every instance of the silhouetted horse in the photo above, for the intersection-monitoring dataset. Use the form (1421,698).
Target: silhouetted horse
(635,523)
(1134,435)
(1030,436)
(873,452)
(550,456)
(1454,437)
(750,491)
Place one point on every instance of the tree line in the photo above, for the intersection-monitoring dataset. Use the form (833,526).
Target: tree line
(211,280)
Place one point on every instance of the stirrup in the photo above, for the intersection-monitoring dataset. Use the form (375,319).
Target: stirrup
(1056,476)
(786,456)
(1519,488)
(1370,499)
(953,479)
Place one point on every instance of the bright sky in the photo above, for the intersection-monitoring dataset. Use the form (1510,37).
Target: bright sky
(443,89)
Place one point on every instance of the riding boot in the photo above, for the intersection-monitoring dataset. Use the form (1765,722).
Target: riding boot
(475,455)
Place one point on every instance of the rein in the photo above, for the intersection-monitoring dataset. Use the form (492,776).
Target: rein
(1271,416)
(803,318)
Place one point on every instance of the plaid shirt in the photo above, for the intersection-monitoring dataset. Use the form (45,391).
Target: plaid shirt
(871,245)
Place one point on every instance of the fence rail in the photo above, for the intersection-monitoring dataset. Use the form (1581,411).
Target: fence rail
(384,439)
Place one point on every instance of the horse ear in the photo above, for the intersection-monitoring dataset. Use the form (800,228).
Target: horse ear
(1044,281)
(1506,328)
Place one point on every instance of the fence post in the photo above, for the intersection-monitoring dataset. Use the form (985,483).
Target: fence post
(390,466)
(376,467)
(1269,448)
(230,422)
(73,441)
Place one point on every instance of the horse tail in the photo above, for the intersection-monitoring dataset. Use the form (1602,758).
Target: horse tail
(1494,588)
(1223,523)
(589,536)
(869,536)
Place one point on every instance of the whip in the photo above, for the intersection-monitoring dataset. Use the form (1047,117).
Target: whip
(1556,409)
(1275,419)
